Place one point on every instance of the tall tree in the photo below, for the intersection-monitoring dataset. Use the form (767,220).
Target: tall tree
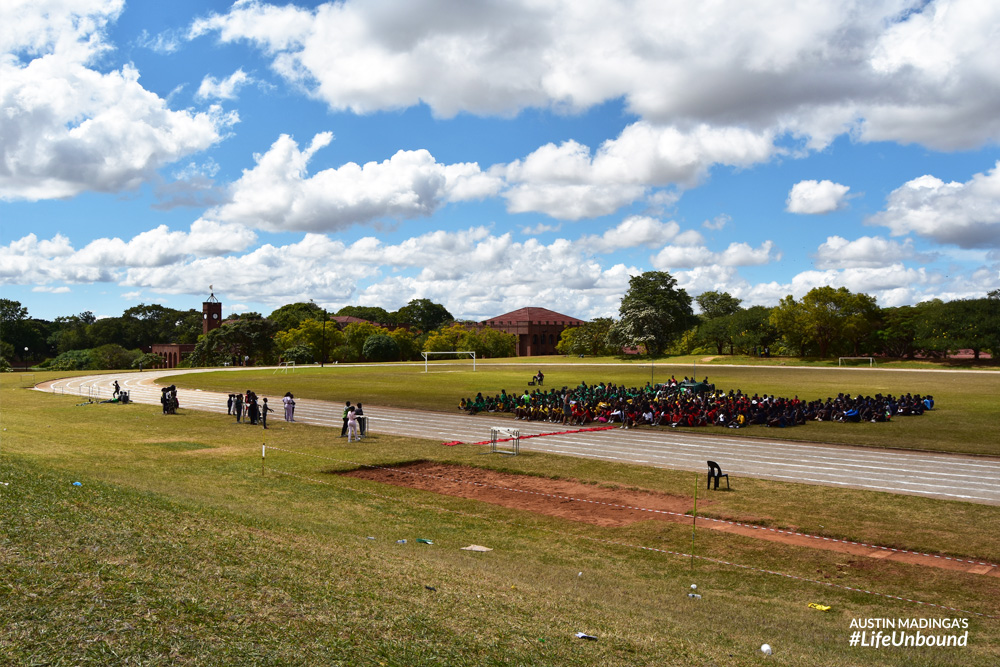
(423,315)
(292,315)
(717,304)
(829,317)
(654,312)
(251,337)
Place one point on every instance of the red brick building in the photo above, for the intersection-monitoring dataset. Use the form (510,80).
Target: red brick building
(537,329)
(172,353)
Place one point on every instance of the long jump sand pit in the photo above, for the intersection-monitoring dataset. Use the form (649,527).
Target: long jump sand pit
(566,499)
(611,506)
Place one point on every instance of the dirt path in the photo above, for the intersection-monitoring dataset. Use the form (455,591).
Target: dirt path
(612,507)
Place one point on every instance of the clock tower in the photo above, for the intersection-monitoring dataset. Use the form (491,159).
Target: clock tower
(211,310)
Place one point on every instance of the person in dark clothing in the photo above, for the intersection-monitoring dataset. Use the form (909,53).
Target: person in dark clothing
(238,407)
(362,423)
(263,413)
(254,410)
(343,430)
(117,390)
(229,405)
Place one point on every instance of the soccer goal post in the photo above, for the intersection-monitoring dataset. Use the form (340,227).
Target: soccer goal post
(469,352)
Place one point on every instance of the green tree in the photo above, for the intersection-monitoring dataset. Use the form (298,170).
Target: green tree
(355,335)
(299,354)
(898,332)
(73,333)
(717,331)
(310,333)
(832,318)
(381,347)
(717,304)
(19,331)
(654,312)
(408,342)
(423,315)
(446,339)
(113,356)
(497,344)
(374,314)
(251,337)
(108,330)
(147,360)
(290,316)
(788,319)
(752,330)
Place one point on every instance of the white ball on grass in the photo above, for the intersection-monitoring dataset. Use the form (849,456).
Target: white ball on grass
(765,649)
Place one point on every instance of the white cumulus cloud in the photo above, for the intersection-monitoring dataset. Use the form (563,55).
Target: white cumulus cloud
(278,194)
(898,70)
(963,214)
(68,127)
(815,197)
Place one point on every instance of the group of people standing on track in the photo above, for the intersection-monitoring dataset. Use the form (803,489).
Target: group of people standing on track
(246,406)
(355,422)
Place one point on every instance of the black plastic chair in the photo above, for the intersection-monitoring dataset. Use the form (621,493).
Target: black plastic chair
(715,472)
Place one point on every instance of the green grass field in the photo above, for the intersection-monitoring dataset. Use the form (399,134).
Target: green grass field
(175,549)
(966,418)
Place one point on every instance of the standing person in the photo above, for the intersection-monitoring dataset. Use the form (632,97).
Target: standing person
(253,410)
(238,407)
(229,405)
(117,390)
(289,402)
(362,423)
(263,413)
(343,429)
(352,425)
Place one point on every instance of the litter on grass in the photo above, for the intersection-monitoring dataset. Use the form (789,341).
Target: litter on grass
(582,635)
(421,540)
(476,547)
(820,607)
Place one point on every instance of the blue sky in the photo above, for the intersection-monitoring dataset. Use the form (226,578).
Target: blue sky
(494,155)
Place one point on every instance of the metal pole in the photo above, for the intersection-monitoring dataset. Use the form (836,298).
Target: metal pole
(323,358)
(263,454)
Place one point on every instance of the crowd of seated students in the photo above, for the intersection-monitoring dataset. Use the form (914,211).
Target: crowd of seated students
(670,404)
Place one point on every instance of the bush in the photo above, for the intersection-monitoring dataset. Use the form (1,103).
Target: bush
(300,354)
(380,347)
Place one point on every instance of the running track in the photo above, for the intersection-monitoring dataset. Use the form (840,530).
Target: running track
(946,476)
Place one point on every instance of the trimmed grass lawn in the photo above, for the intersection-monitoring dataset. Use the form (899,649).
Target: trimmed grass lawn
(175,549)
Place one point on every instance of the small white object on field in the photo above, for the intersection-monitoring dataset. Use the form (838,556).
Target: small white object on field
(765,649)
(694,587)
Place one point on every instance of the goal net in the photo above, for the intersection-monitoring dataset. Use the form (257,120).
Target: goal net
(425,355)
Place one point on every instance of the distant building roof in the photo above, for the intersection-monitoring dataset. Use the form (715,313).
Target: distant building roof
(533,315)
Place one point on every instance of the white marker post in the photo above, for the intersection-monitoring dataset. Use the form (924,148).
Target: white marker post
(263,454)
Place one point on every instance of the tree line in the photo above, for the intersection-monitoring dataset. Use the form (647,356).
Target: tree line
(657,317)
(297,332)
